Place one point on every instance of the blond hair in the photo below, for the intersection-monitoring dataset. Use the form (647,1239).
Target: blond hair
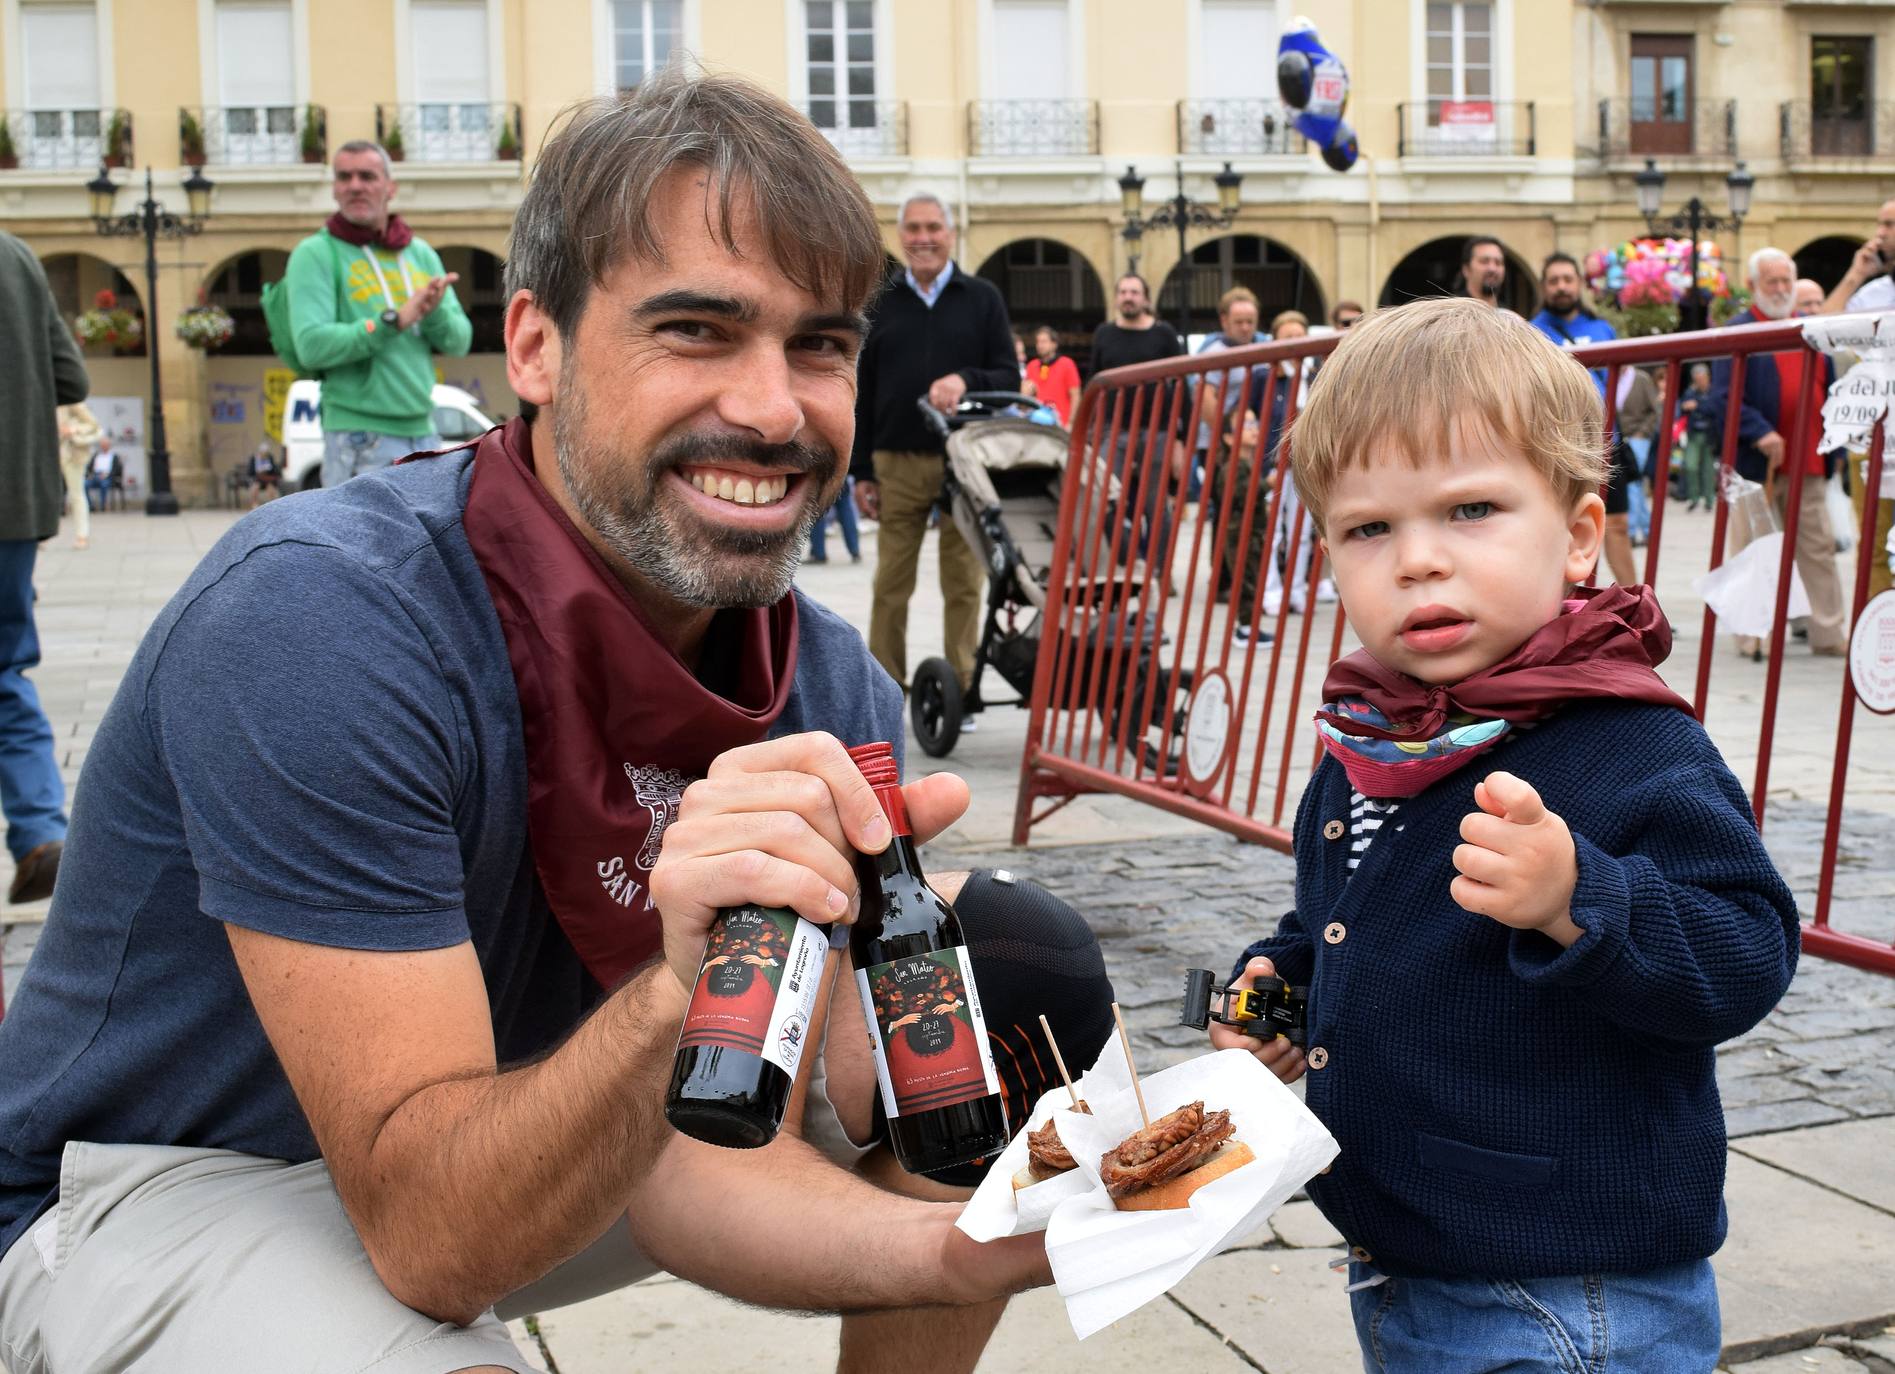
(1288,317)
(1408,377)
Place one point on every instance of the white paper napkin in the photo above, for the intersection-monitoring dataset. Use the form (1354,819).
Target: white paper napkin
(1108,1263)
(996,1209)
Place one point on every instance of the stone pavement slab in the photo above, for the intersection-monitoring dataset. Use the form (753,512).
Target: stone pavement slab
(1802,1259)
(1835,1156)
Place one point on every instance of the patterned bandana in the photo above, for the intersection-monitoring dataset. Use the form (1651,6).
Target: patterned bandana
(1396,736)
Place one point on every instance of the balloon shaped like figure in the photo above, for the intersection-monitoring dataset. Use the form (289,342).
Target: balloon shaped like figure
(1315,85)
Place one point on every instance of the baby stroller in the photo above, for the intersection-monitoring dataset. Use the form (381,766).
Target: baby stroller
(1002,490)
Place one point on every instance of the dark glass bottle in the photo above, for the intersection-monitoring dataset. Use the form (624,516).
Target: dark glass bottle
(936,1071)
(744,1033)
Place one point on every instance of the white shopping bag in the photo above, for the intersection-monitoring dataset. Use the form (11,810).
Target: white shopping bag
(1743,591)
(1842,515)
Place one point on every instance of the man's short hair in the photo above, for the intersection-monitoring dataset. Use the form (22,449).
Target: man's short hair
(1408,376)
(1124,277)
(1284,317)
(927,198)
(1341,306)
(1467,249)
(368,145)
(1237,295)
(1763,255)
(588,207)
(1559,257)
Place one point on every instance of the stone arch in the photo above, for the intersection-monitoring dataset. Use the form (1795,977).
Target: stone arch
(1278,274)
(1047,281)
(483,293)
(236,284)
(1825,259)
(77,279)
(1434,269)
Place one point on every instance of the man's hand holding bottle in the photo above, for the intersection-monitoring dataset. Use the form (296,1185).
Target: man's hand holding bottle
(779,824)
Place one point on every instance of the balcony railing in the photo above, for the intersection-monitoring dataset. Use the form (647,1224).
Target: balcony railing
(450,131)
(1630,129)
(1033,128)
(1466,128)
(252,135)
(65,140)
(1809,137)
(861,128)
(1230,128)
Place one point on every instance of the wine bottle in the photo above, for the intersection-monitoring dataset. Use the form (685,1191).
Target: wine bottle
(744,1033)
(935,1069)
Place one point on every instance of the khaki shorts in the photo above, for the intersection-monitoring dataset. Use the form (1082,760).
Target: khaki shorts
(163,1258)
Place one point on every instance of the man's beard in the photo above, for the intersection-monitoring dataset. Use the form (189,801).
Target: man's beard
(690,560)
(1774,307)
(1131,310)
(1562,304)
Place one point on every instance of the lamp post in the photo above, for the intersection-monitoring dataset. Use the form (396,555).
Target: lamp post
(1180,212)
(1694,311)
(154,222)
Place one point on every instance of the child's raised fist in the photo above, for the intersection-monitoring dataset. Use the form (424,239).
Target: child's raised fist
(1517,865)
(1277,1054)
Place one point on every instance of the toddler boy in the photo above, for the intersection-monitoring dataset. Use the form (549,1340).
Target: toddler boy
(1530,898)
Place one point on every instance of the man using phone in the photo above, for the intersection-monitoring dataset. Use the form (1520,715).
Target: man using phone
(1867,284)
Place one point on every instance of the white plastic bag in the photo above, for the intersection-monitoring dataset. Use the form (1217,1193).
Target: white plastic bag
(1842,515)
(1743,590)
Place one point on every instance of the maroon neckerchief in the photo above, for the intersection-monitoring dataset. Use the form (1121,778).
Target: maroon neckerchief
(394,236)
(616,726)
(1607,643)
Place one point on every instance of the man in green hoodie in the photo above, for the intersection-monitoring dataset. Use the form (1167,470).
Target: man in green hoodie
(369,308)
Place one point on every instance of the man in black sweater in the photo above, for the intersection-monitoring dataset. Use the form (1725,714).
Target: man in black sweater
(937,332)
(1160,411)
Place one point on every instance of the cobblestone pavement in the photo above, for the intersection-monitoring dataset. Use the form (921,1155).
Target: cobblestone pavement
(1809,1094)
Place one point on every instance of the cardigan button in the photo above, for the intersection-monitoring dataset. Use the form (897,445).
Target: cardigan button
(1318,1057)
(1333,830)
(1335,932)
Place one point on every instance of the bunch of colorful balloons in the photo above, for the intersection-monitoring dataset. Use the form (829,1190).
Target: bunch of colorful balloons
(1654,272)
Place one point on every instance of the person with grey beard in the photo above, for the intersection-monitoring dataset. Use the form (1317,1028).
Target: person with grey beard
(1768,427)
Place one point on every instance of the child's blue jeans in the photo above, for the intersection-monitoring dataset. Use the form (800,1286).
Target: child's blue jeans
(1660,1320)
(1638,507)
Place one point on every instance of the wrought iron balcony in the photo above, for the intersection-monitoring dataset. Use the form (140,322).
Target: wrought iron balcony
(1808,137)
(1466,128)
(859,127)
(1232,128)
(1033,128)
(252,135)
(65,140)
(1633,129)
(450,131)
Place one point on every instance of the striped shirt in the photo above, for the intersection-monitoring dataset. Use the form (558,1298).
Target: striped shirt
(1366,815)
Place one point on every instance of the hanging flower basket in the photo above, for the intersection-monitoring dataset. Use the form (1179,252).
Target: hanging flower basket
(204,327)
(109,323)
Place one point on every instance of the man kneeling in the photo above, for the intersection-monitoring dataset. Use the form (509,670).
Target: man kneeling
(396,851)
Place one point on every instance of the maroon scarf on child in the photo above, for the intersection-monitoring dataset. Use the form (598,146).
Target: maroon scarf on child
(394,236)
(616,726)
(1395,735)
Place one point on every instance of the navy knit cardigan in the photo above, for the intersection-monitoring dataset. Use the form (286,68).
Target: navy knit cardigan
(1507,1108)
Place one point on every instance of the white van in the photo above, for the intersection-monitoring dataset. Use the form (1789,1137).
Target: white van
(456,418)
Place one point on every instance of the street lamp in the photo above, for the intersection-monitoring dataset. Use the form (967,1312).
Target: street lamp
(154,222)
(1693,311)
(1181,213)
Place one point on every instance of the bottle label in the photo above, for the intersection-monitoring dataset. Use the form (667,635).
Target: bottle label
(757,986)
(929,1036)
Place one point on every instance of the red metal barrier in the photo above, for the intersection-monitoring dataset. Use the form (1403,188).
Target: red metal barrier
(1139,647)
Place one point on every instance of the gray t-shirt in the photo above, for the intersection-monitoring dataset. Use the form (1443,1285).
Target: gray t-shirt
(319,738)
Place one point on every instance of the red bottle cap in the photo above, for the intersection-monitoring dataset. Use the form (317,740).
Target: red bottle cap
(878,766)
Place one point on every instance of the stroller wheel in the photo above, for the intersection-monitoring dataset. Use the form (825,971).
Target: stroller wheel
(935,707)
